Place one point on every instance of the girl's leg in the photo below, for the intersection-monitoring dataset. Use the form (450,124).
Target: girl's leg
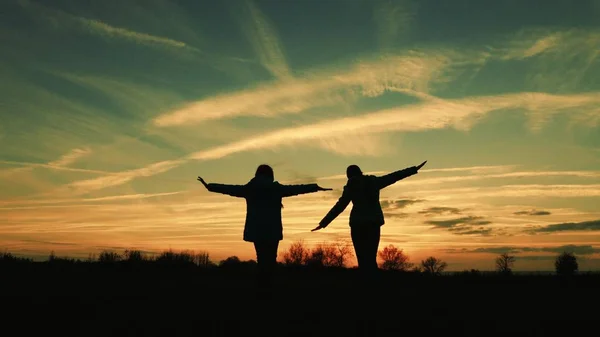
(266,257)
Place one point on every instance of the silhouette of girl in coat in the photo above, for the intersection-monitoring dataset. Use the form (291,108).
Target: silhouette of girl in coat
(263,225)
(366,216)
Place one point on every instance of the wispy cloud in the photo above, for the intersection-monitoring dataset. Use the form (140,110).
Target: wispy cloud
(471,169)
(532,212)
(451,223)
(60,164)
(264,39)
(593,225)
(103,29)
(431,115)
(512,191)
(394,20)
(438,210)
(412,71)
(563,58)
(37,204)
(400,203)
(519,174)
(86,186)
(71,157)
(577,249)
(467,225)
(96,27)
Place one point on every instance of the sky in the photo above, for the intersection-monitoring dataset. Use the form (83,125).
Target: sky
(109,110)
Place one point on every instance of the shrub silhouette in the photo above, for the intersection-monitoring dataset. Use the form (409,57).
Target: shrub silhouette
(341,252)
(203,260)
(433,266)
(394,259)
(317,257)
(566,264)
(185,258)
(505,263)
(8,258)
(472,272)
(91,258)
(296,255)
(231,262)
(334,254)
(107,257)
(134,256)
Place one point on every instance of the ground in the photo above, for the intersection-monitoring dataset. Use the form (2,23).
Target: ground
(120,300)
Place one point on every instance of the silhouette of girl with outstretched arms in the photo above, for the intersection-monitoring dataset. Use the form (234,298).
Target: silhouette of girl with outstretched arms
(366,216)
(263,225)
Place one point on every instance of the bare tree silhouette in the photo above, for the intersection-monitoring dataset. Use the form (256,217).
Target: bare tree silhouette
(134,256)
(296,255)
(203,260)
(317,257)
(334,254)
(108,257)
(394,259)
(566,264)
(433,266)
(342,252)
(505,263)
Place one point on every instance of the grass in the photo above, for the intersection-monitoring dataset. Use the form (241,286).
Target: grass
(183,293)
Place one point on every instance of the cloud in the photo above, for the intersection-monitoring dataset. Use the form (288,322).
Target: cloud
(492,250)
(67,203)
(400,203)
(410,72)
(440,210)
(592,225)
(520,174)
(393,21)
(71,157)
(51,243)
(472,169)
(103,29)
(576,249)
(396,215)
(463,226)
(86,186)
(58,19)
(414,72)
(512,191)
(263,37)
(363,144)
(60,164)
(450,223)
(532,212)
(562,58)
(438,114)
(468,230)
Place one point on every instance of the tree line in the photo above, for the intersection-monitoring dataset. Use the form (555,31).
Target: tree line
(335,254)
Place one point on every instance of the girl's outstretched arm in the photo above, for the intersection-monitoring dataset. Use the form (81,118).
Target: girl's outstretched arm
(232,190)
(336,210)
(389,179)
(291,190)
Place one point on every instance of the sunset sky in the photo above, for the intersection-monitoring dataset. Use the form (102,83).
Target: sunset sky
(110,109)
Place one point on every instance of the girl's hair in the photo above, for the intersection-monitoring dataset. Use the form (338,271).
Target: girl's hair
(265,170)
(353,171)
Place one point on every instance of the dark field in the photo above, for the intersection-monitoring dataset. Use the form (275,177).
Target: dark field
(120,299)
